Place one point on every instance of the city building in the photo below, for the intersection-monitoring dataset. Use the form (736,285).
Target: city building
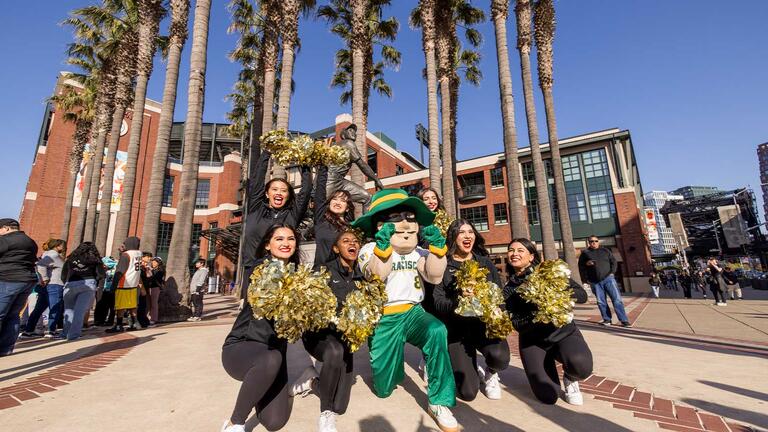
(688,192)
(665,243)
(762,157)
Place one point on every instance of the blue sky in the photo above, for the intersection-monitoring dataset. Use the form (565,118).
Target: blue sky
(686,77)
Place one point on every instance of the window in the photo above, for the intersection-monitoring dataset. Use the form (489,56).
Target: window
(203,193)
(398,169)
(497,177)
(500,214)
(373,160)
(197,230)
(168,191)
(531,200)
(164,232)
(472,184)
(478,216)
(211,243)
(598,184)
(595,163)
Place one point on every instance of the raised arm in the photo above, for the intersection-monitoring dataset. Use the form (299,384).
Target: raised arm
(256,182)
(305,193)
(357,159)
(321,195)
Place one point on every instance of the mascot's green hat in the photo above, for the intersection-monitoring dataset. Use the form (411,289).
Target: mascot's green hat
(386,199)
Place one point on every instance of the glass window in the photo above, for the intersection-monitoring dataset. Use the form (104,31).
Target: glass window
(472,184)
(500,214)
(197,230)
(373,160)
(529,187)
(497,177)
(398,169)
(212,244)
(571,171)
(478,216)
(598,183)
(595,163)
(168,191)
(164,232)
(203,193)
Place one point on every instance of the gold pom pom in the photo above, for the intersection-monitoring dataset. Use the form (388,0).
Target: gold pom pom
(361,312)
(297,299)
(442,221)
(302,150)
(482,298)
(548,287)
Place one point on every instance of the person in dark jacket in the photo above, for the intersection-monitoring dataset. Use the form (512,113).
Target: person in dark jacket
(255,355)
(699,282)
(270,204)
(732,283)
(543,344)
(82,272)
(686,281)
(597,266)
(466,335)
(716,281)
(18,254)
(331,216)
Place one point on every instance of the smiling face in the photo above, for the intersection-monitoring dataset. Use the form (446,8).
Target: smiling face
(347,246)
(339,203)
(282,245)
(519,257)
(431,200)
(465,240)
(155,264)
(277,194)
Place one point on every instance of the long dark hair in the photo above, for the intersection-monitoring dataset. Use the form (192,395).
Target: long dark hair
(261,250)
(531,249)
(478,248)
(437,194)
(291,193)
(86,253)
(340,223)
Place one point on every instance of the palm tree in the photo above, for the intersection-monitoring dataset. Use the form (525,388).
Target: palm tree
(428,36)
(544,33)
(518,225)
(523,12)
(178,255)
(177,37)
(270,11)
(149,12)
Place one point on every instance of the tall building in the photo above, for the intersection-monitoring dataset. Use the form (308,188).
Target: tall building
(654,201)
(762,157)
(688,192)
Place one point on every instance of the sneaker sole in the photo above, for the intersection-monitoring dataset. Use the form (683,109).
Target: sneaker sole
(443,428)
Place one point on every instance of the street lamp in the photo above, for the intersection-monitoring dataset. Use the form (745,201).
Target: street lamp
(717,237)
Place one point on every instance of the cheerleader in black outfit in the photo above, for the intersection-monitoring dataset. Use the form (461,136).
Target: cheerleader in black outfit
(543,344)
(332,217)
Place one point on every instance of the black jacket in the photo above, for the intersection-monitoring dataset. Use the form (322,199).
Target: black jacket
(342,281)
(522,312)
(18,254)
(604,264)
(80,270)
(730,278)
(445,296)
(325,232)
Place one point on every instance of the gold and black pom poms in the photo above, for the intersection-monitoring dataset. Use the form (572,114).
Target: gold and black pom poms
(296,298)
(548,287)
(442,221)
(481,298)
(361,312)
(302,150)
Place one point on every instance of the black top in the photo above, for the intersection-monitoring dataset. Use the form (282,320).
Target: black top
(730,278)
(154,279)
(342,281)
(604,264)
(260,216)
(81,270)
(523,312)
(325,231)
(18,254)
(248,328)
(445,296)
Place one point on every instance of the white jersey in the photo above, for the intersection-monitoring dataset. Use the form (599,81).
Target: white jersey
(404,283)
(132,276)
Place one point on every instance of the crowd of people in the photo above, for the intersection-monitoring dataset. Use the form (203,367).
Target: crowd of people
(721,281)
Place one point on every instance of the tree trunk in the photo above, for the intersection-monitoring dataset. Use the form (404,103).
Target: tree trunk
(518,220)
(95,177)
(428,36)
(102,229)
(448,187)
(284,100)
(77,235)
(178,256)
(68,204)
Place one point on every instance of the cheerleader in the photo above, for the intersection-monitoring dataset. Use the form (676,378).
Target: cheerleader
(332,216)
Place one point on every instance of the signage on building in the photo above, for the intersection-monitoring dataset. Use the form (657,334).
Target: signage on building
(121,158)
(678,230)
(733,226)
(650,224)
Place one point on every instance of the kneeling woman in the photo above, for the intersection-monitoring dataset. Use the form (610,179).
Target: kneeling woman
(255,355)
(336,375)
(466,335)
(543,344)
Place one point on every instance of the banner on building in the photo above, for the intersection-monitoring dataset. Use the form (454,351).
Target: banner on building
(651,226)
(121,158)
(733,226)
(678,230)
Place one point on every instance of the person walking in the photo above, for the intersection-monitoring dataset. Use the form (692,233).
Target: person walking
(597,266)
(686,281)
(716,282)
(49,268)
(732,283)
(83,270)
(18,254)
(154,284)
(700,283)
(655,282)
(197,288)
(126,284)
(664,279)
(104,312)
(541,345)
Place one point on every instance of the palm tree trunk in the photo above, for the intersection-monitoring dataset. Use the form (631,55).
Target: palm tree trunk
(95,177)
(518,222)
(448,189)
(68,205)
(269,11)
(428,39)
(284,100)
(154,203)
(105,213)
(178,256)
(359,102)
(81,135)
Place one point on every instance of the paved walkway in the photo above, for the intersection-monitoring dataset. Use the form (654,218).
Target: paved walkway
(170,378)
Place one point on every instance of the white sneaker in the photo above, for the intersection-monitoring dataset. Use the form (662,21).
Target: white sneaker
(572,392)
(423,370)
(304,384)
(327,421)
(229,427)
(491,384)
(444,418)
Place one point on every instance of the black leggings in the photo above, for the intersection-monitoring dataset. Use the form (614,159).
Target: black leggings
(539,357)
(264,374)
(717,291)
(336,376)
(197,304)
(463,355)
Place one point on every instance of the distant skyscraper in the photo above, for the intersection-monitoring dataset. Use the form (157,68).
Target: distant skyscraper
(762,156)
(655,200)
(688,192)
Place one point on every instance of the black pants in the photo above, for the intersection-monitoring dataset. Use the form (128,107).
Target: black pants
(141,311)
(40,306)
(264,374)
(539,357)
(687,290)
(336,376)
(197,304)
(104,313)
(463,353)
(717,291)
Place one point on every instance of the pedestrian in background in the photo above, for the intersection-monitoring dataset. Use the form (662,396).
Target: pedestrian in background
(197,288)
(156,281)
(700,283)
(597,266)
(104,313)
(82,272)
(716,282)
(146,273)
(49,268)
(732,283)
(18,253)
(126,284)
(686,281)
(655,283)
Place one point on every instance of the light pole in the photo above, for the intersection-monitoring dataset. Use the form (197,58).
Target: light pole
(717,237)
